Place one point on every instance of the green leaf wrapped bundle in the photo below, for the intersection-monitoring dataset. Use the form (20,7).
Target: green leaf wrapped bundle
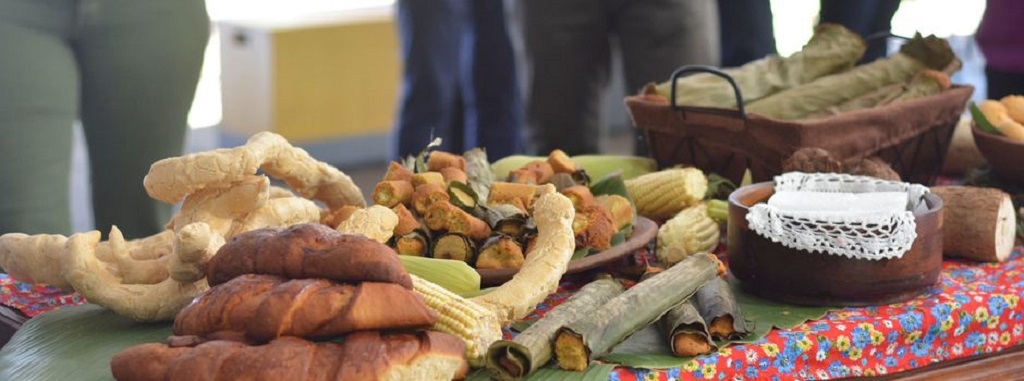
(531,349)
(687,332)
(832,49)
(720,311)
(804,101)
(594,335)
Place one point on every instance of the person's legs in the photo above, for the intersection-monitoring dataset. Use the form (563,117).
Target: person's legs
(567,57)
(659,36)
(140,63)
(746,31)
(865,17)
(1002,83)
(493,117)
(429,31)
(38,101)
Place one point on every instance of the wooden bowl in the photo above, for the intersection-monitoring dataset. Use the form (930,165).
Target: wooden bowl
(1006,156)
(773,271)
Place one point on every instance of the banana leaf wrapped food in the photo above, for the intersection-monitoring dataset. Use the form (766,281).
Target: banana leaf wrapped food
(500,252)
(720,310)
(687,332)
(831,49)
(531,349)
(594,335)
(918,54)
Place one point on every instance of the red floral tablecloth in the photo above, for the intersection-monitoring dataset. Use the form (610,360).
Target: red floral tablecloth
(975,309)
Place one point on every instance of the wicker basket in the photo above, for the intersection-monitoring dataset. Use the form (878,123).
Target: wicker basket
(912,136)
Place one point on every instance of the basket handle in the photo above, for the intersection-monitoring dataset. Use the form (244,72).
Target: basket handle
(710,70)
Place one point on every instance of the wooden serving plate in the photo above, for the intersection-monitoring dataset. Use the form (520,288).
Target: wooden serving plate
(644,230)
(773,271)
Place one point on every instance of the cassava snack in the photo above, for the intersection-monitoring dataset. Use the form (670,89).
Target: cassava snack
(977,223)
(440,159)
(518,195)
(170,180)
(266,307)
(454,246)
(368,355)
(594,335)
(397,172)
(620,209)
(531,349)
(500,252)
(660,195)
(375,222)
(719,309)
(686,330)
(427,178)
(406,221)
(426,195)
(689,232)
(391,193)
(544,265)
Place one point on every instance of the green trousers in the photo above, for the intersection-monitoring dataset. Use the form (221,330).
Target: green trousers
(128,70)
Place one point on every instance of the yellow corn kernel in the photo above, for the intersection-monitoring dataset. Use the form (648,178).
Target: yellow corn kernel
(474,324)
(660,195)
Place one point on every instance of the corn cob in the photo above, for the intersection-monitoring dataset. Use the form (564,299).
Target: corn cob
(474,324)
(662,194)
(689,232)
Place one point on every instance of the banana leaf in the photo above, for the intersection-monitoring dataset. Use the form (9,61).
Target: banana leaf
(649,349)
(981,121)
(596,372)
(800,102)
(73,343)
(831,49)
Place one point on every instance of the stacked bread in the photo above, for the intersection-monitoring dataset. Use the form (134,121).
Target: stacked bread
(274,290)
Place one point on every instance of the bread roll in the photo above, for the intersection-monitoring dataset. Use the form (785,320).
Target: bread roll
(367,355)
(307,251)
(264,307)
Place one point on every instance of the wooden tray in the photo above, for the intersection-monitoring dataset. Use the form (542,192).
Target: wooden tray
(644,230)
(776,272)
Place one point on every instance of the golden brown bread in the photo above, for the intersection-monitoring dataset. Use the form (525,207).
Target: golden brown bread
(366,355)
(265,307)
(307,251)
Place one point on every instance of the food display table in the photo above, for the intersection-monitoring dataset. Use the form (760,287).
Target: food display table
(970,324)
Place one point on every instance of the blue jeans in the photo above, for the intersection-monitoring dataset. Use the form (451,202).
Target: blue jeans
(459,80)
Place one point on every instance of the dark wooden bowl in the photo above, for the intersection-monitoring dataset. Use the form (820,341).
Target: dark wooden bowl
(773,271)
(1006,156)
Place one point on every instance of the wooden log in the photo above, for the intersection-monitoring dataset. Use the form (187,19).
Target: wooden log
(977,223)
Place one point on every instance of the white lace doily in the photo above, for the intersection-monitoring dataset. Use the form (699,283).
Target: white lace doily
(869,235)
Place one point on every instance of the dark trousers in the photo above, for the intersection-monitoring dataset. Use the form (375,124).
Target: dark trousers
(569,55)
(459,80)
(1002,83)
(746,30)
(865,17)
